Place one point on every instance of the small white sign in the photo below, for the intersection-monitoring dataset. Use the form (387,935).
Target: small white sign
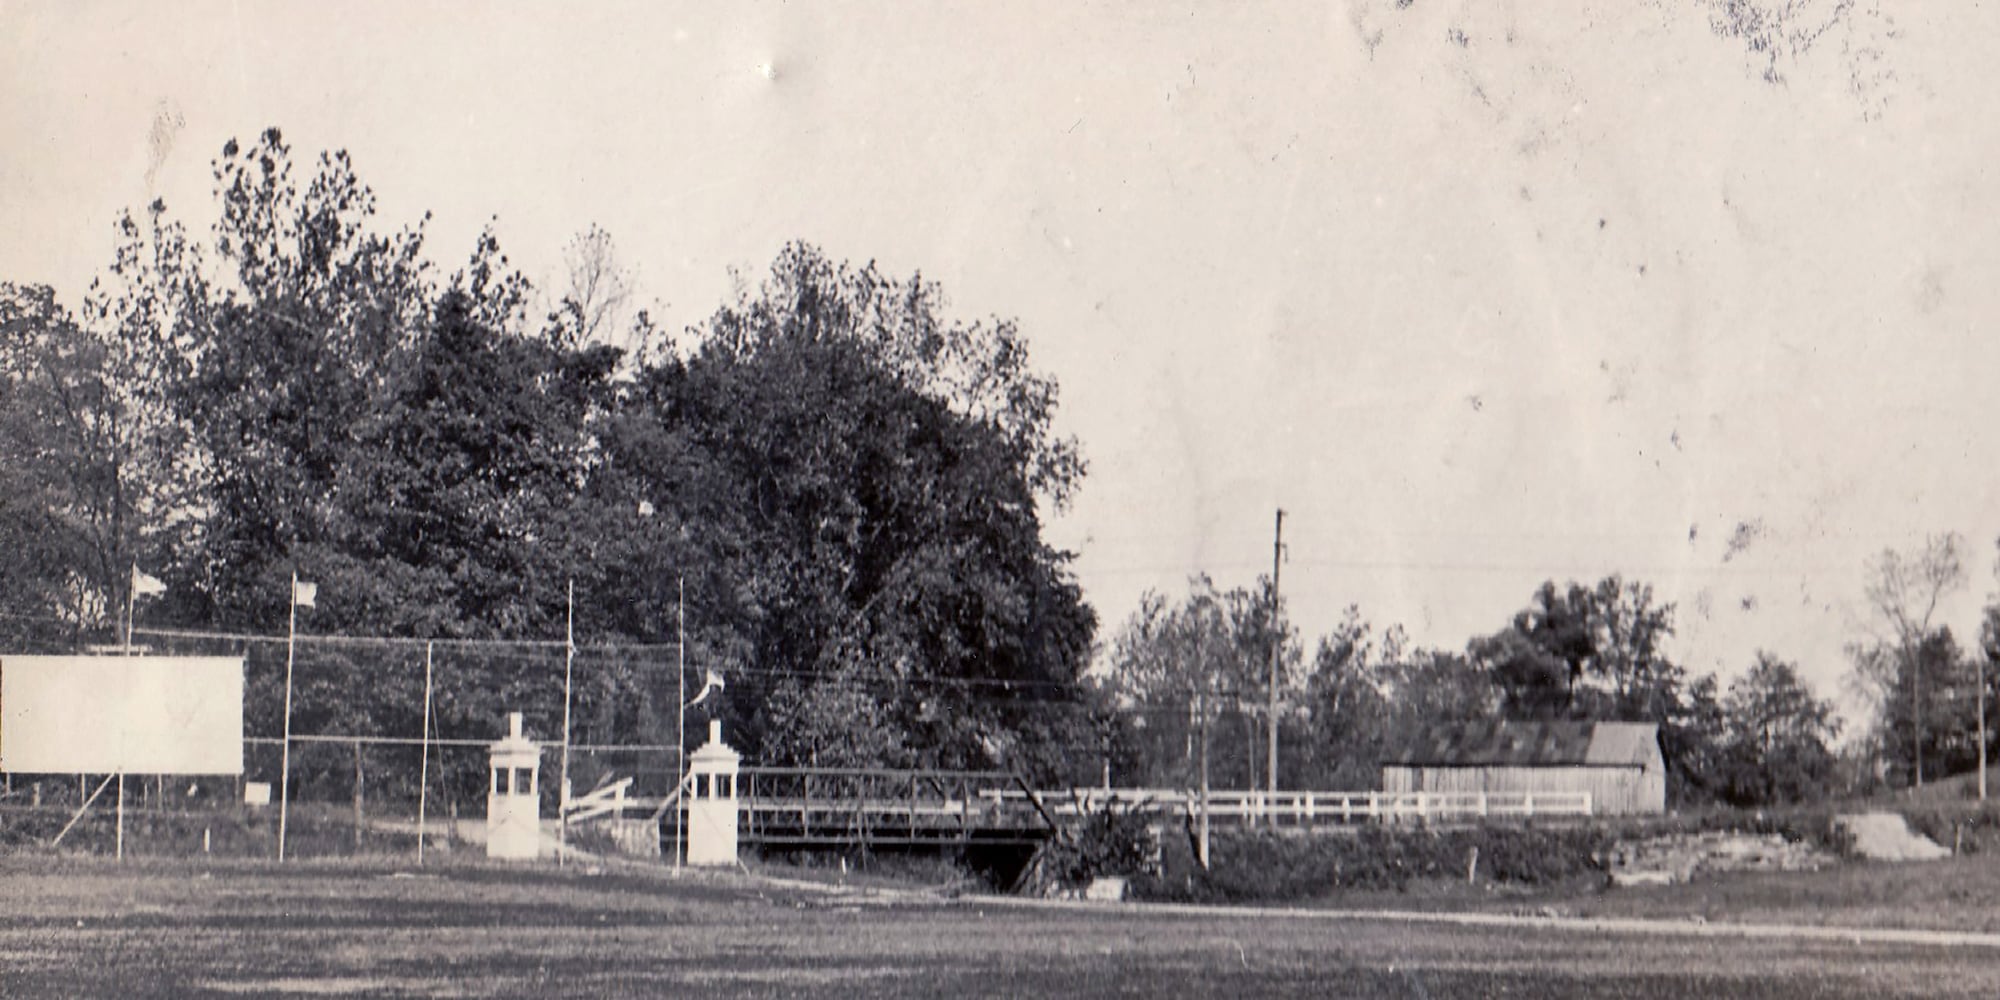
(256,793)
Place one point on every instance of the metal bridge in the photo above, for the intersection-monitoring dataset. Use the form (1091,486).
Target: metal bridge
(810,806)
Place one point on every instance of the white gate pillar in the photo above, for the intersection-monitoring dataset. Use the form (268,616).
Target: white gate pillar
(712,801)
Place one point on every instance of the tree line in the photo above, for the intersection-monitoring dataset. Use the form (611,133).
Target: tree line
(842,485)
(1193,674)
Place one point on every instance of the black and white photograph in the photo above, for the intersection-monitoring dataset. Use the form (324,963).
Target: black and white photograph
(1282,498)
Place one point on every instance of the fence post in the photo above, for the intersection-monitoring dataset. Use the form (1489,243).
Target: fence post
(1528,804)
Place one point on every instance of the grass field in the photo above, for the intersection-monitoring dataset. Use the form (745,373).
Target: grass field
(91,927)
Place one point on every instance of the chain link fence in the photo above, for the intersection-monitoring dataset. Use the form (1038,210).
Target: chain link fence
(388,737)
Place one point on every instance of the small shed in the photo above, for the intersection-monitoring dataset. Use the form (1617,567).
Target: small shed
(1618,763)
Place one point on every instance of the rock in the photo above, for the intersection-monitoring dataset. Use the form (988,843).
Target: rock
(1109,888)
(1680,857)
(1627,877)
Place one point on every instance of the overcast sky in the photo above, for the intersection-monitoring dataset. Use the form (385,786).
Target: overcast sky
(1480,293)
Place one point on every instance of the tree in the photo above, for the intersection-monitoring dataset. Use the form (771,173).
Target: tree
(1163,676)
(1628,652)
(307,331)
(1366,692)
(1693,745)
(598,297)
(1777,739)
(1585,652)
(1346,703)
(1186,669)
(1931,709)
(59,513)
(1904,590)
(850,483)
(1598,653)
(865,521)
(101,460)
(1544,654)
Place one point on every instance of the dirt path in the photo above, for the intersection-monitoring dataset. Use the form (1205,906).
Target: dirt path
(1599,925)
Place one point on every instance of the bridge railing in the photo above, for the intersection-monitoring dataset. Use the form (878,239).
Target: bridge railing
(1314,807)
(806,805)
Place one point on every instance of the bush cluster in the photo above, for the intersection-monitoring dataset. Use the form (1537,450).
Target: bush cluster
(1968,830)
(1250,865)
(1103,842)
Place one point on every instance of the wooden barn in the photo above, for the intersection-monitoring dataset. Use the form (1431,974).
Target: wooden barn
(1618,763)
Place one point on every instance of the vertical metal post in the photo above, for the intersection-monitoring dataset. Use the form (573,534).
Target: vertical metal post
(131,599)
(1277,652)
(424,773)
(121,815)
(562,787)
(285,752)
(1204,781)
(680,726)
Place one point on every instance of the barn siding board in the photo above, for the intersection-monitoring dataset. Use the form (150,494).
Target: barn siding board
(1614,791)
(1619,764)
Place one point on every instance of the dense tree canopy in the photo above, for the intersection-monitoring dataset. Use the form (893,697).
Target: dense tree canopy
(1778,735)
(842,485)
(848,483)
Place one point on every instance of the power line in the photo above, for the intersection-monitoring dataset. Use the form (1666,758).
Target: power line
(1536,570)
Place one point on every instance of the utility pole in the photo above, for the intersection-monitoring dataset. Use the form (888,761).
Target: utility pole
(1277,652)
(1201,701)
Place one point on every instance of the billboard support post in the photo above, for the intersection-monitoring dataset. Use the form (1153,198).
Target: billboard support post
(424,780)
(80,810)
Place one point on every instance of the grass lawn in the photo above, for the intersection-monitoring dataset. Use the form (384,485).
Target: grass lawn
(91,927)
(1954,894)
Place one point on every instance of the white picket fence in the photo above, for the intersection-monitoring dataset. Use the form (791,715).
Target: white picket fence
(1307,808)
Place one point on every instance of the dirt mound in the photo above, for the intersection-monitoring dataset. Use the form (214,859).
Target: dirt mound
(1886,836)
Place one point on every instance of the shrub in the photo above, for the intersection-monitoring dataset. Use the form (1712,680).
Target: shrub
(1105,841)
(1968,830)
(1250,865)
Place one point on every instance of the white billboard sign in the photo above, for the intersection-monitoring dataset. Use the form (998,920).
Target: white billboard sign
(121,714)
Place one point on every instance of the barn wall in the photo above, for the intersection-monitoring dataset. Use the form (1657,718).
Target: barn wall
(1614,791)
(1397,780)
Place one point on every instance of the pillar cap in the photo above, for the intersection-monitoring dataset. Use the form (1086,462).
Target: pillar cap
(515,749)
(715,751)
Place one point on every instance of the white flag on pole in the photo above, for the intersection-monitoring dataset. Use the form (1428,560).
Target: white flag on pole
(144,585)
(709,685)
(303,593)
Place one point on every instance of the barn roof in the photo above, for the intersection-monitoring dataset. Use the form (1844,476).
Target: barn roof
(1529,744)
